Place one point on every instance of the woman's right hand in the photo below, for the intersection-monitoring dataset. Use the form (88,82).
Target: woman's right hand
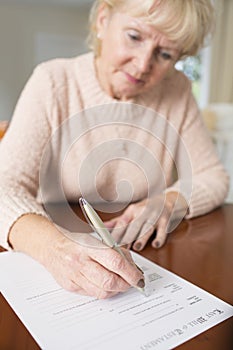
(91,268)
(87,267)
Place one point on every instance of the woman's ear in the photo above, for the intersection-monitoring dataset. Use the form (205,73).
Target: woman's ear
(102,20)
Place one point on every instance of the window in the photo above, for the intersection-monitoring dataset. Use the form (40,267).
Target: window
(197,69)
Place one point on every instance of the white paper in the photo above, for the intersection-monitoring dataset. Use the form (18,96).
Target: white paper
(174,312)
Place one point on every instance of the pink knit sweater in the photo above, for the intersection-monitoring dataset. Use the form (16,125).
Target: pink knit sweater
(69,138)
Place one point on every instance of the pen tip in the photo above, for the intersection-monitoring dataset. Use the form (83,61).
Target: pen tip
(142,290)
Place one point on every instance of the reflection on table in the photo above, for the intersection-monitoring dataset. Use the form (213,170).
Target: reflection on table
(199,250)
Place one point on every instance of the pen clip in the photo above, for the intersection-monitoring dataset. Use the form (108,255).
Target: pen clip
(81,203)
(96,223)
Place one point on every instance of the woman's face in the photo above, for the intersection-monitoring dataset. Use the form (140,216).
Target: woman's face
(134,56)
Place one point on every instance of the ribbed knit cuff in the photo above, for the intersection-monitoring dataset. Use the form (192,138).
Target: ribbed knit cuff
(13,207)
(197,197)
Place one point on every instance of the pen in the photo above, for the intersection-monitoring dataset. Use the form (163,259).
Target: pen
(98,226)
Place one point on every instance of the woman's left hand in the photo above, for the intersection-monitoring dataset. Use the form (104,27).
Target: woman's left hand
(138,222)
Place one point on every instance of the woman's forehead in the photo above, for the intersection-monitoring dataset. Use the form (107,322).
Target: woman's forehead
(169,17)
(145,29)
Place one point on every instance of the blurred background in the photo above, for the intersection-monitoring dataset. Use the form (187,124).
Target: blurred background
(33,31)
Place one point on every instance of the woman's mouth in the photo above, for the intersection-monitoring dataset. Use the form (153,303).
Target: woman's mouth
(133,80)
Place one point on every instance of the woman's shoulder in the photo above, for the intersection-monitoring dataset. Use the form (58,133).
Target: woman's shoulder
(59,69)
(176,89)
(178,80)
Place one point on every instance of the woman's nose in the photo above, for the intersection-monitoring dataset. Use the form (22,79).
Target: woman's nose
(144,61)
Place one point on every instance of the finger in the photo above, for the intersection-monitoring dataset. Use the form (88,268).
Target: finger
(114,262)
(82,285)
(161,233)
(131,233)
(81,272)
(104,279)
(146,232)
(110,223)
(70,285)
(79,290)
(127,255)
(120,228)
(130,259)
(98,295)
(74,286)
(118,231)
(124,218)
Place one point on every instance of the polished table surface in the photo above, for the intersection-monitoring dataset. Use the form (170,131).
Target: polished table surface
(199,250)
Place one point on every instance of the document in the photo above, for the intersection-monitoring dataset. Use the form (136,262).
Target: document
(173,312)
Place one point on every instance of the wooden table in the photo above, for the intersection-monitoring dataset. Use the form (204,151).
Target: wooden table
(199,250)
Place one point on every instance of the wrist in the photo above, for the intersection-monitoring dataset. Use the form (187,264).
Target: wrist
(34,235)
(176,203)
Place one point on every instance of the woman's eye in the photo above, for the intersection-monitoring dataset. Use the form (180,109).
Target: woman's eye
(165,55)
(134,36)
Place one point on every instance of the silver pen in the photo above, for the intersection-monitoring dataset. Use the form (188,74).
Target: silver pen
(98,226)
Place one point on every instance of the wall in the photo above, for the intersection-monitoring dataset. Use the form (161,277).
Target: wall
(33,33)
(221,68)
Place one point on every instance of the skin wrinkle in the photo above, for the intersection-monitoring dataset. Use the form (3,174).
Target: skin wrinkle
(136,65)
(140,71)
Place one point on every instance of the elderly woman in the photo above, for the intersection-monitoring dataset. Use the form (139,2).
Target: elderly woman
(130,72)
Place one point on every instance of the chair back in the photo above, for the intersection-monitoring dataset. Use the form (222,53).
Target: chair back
(3,127)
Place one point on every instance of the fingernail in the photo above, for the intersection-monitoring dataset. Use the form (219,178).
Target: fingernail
(141,283)
(156,244)
(137,246)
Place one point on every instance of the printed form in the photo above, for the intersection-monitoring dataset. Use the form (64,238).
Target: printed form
(174,311)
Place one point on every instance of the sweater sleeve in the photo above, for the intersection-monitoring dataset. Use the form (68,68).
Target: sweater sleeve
(21,150)
(205,185)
